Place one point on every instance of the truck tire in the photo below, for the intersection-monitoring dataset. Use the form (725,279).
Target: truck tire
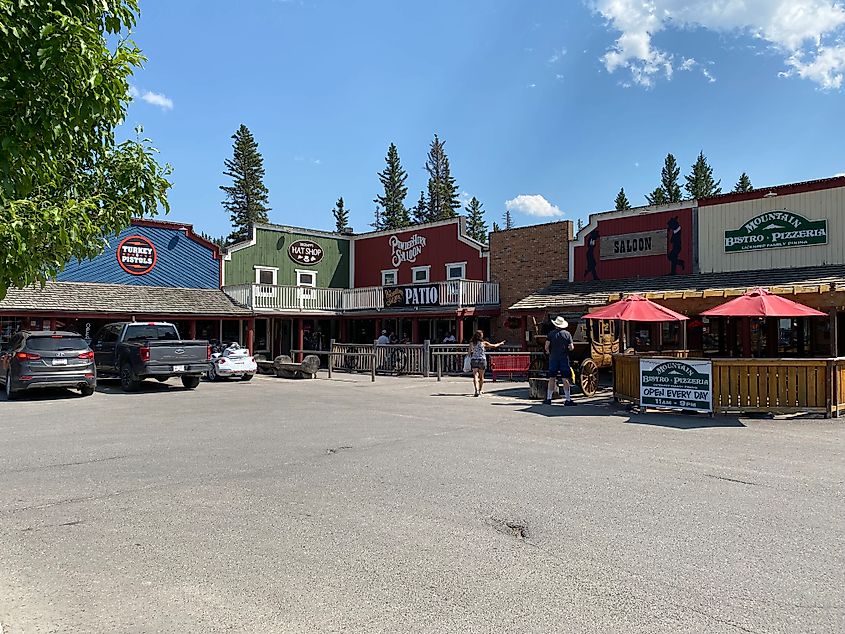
(128,382)
(190,381)
(10,393)
(86,390)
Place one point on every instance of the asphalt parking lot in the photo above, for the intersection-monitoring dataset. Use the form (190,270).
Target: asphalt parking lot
(407,506)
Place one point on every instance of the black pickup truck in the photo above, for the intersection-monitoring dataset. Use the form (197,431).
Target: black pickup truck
(135,351)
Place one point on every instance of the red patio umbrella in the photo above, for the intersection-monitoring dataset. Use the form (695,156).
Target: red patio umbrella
(636,308)
(758,302)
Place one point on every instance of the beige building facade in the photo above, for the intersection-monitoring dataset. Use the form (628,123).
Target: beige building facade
(792,226)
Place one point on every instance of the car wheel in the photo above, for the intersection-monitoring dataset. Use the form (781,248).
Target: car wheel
(212,373)
(127,382)
(86,390)
(10,393)
(162,379)
(190,381)
(247,377)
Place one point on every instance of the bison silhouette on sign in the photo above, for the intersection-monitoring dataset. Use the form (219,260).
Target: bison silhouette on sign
(675,240)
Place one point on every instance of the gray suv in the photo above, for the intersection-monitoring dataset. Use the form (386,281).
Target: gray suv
(47,359)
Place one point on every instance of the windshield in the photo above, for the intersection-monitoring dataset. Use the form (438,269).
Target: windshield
(141,332)
(54,343)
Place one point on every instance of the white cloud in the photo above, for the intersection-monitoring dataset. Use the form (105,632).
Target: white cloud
(532,85)
(809,33)
(533,205)
(557,56)
(559,77)
(154,98)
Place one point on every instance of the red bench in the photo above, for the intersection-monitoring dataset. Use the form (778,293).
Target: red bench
(510,364)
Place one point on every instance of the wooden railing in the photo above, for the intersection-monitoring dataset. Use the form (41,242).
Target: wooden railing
(398,359)
(452,356)
(455,293)
(779,386)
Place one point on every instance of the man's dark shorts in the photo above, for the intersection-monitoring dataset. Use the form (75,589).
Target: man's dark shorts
(560,368)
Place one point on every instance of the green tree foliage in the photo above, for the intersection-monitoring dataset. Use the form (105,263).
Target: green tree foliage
(700,183)
(657,197)
(743,184)
(394,214)
(476,226)
(246,198)
(66,185)
(420,210)
(579,224)
(669,179)
(378,219)
(220,241)
(508,219)
(622,201)
(341,215)
(496,227)
(443,192)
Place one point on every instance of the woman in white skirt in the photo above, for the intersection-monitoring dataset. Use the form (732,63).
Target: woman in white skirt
(477,352)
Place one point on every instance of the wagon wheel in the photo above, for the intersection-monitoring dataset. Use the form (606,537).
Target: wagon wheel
(589,378)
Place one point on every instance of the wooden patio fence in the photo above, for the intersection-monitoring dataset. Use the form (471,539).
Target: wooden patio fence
(779,386)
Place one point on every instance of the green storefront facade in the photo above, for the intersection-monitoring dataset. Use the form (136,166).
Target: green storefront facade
(293,278)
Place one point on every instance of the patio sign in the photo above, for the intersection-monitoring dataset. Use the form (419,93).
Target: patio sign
(676,384)
(408,296)
(633,245)
(776,230)
(136,255)
(305,252)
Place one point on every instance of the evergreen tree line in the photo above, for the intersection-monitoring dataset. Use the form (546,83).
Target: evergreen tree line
(439,201)
(699,183)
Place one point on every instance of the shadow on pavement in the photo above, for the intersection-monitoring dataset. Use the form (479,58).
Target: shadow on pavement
(112,387)
(45,394)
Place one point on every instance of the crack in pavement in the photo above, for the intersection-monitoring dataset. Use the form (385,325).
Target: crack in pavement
(63,464)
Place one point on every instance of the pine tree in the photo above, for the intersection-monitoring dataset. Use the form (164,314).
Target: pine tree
(420,210)
(743,184)
(496,227)
(669,179)
(219,241)
(246,199)
(657,197)
(443,192)
(476,227)
(700,183)
(508,219)
(394,214)
(622,201)
(341,215)
(378,219)
(579,225)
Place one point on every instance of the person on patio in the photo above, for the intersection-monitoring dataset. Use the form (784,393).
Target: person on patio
(558,345)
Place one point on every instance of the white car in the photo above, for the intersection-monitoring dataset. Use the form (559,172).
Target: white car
(235,362)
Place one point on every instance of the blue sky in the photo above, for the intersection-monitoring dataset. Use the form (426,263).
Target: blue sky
(564,100)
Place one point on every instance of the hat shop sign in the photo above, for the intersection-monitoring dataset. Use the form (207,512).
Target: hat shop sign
(305,252)
(776,230)
(136,255)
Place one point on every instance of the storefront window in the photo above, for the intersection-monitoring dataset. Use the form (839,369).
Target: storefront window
(8,327)
(671,332)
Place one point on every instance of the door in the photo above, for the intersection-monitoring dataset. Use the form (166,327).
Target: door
(104,347)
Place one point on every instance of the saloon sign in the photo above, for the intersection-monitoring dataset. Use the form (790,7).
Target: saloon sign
(776,230)
(408,296)
(305,252)
(676,384)
(136,255)
(633,245)
(406,250)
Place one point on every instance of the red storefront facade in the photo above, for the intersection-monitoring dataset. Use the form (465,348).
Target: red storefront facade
(627,244)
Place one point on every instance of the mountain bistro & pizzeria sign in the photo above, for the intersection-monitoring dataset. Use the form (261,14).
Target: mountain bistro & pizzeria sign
(136,255)
(305,252)
(676,384)
(776,230)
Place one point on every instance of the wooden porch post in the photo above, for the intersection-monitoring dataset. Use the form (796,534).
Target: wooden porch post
(802,322)
(192,329)
(250,335)
(834,333)
(524,339)
(459,335)
(415,330)
(300,338)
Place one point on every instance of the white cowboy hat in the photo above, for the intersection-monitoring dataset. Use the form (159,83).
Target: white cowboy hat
(560,322)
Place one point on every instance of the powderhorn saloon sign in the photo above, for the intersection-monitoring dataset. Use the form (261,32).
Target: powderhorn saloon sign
(676,384)
(776,230)
(305,252)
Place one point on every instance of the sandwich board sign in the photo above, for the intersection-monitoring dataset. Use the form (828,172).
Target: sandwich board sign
(677,384)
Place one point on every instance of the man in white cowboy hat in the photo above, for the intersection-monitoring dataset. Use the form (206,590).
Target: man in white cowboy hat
(558,345)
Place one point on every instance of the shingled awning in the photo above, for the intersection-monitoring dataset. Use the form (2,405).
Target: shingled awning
(121,299)
(562,294)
